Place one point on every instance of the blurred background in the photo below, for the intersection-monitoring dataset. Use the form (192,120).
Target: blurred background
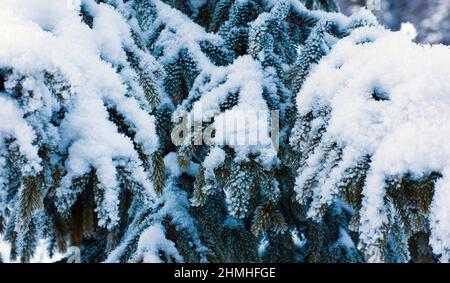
(431,18)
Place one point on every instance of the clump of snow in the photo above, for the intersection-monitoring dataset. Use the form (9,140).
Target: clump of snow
(387,98)
(409,29)
(172,165)
(152,241)
(13,125)
(345,240)
(215,158)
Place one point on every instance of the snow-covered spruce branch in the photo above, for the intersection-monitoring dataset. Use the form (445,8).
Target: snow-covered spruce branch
(378,131)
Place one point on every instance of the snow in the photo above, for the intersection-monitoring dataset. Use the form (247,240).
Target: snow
(152,241)
(389,99)
(345,240)
(13,125)
(111,33)
(215,158)
(40,12)
(409,29)
(172,165)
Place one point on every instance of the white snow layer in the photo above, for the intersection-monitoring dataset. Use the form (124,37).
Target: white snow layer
(12,124)
(390,99)
(215,158)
